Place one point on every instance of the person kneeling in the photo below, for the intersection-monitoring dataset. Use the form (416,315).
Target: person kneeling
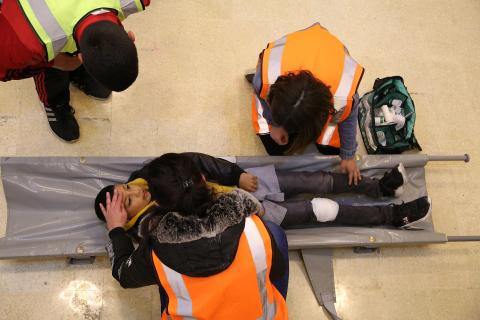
(210,253)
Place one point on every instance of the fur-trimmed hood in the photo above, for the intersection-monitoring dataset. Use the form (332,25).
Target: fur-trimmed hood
(229,209)
(205,246)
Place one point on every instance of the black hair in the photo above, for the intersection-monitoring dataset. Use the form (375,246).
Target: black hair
(102,199)
(301,104)
(176,184)
(109,55)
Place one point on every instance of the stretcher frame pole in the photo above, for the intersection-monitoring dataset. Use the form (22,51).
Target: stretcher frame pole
(464,157)
(462,238)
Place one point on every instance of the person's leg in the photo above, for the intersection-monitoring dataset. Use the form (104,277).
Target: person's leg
(322,210)
(299,212)
(86,83)
(329,212)
(391,184)
(53,87)
(53,90)
(281,241)
(321,182)
(293,182)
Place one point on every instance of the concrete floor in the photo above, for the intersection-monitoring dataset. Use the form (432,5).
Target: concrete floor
(191,96)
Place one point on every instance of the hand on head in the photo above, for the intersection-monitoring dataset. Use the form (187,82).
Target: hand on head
(131,35)
(114,212)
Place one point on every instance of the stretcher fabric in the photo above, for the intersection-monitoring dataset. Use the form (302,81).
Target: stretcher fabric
(50,203)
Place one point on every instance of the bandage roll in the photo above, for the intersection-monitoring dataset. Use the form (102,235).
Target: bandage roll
(399,121)
(387,114)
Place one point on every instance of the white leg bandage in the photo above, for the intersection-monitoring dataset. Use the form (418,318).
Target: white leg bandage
(325,209)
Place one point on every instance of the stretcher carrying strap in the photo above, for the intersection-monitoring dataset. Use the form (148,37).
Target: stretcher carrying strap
(319,266)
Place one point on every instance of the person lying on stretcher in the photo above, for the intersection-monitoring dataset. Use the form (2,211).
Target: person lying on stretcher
(275,189)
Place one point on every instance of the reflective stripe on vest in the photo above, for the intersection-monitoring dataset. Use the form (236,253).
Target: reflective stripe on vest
(343,107)
(252,256)
(260,123)
(344,84)
(184,302)
(275,60)
(54,21)
(257,248)
(130,6)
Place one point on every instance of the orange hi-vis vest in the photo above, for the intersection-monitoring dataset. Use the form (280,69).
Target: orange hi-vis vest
(318,51)
(242,291)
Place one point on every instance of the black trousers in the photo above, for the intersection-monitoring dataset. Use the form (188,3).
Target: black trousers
(275,149)
(300,212)
(53,85)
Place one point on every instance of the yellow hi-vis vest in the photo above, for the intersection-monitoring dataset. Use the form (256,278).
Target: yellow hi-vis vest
(318,51)
(54,21)
(242,291)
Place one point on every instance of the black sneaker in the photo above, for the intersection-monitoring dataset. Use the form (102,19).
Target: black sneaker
(86,83)
(392,182)
(408,215)
(62,122)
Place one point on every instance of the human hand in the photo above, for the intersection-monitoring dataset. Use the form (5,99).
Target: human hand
(248,182)
(115,214)
(349,166)
(131,35)
(279,135)
(66,62)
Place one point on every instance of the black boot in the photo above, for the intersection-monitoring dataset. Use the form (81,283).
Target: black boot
(392,182)
(407,215)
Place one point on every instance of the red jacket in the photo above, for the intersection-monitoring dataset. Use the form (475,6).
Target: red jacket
(22,55)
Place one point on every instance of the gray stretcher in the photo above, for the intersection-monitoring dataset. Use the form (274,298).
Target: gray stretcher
(50,209)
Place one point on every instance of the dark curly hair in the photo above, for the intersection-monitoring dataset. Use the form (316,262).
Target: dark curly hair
(176,184)
(301,104)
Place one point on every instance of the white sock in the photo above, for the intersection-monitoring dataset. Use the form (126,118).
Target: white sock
(325,209)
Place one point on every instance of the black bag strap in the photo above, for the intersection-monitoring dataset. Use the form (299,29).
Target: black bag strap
(380,81)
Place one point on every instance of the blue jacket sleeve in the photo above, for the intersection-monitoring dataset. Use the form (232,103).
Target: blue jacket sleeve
(348,133)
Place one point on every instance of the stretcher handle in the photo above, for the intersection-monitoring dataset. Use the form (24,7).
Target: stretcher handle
(464,157)
(462,238)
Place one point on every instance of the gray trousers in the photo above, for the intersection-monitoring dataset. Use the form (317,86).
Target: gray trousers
(300,212)
(276,188)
